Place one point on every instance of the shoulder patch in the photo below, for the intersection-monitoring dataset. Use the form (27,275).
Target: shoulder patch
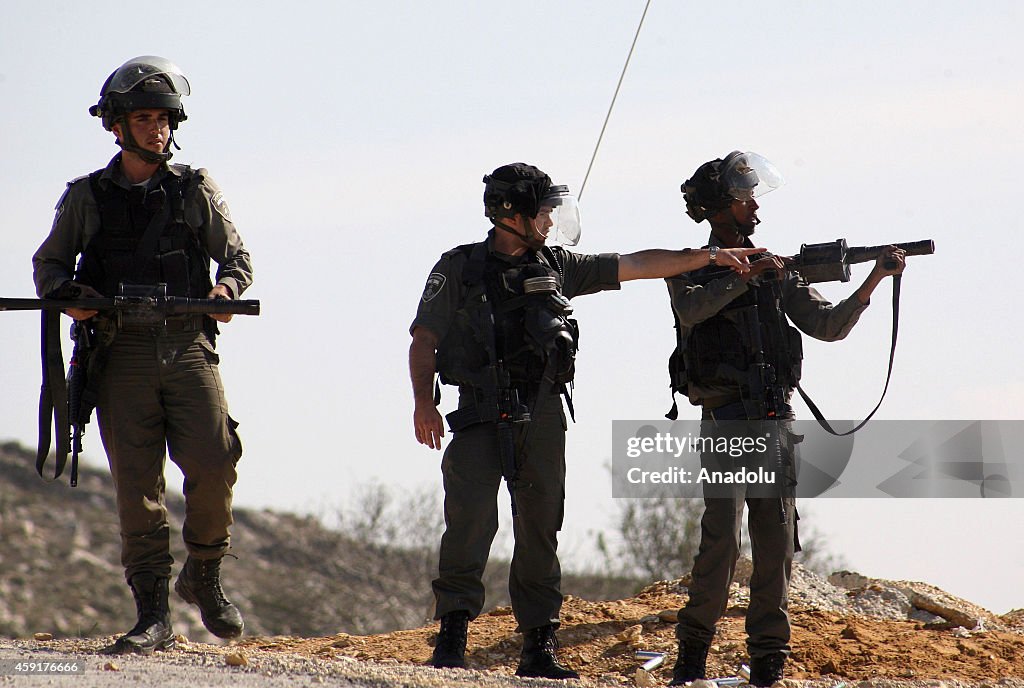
(220,205)
(435,283)
(60,201)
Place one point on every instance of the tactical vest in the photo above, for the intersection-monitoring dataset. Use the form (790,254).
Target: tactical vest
(719,351)
(515,317)
(145,239)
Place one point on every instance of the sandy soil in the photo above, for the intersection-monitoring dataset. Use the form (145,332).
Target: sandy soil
(824,644)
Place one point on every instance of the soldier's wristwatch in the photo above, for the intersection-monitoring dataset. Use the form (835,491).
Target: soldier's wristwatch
(713,255)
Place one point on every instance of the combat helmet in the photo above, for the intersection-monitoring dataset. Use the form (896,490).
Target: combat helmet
(142,83)
(514,188)
(526,190)
(740,176)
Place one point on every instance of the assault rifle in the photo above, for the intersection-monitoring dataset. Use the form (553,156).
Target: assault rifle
(766,397)
(147,308)
(830,262)
(71,400)
(500,403)
(826,262)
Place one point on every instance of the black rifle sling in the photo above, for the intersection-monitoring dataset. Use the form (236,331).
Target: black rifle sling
(547,385)
(509,450)
(53,397)
(673,364)
(892,354)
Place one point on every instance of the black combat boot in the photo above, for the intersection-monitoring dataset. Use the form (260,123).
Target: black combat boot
(199,584)
(153,630)
(540,655)
(691,659)
(450,650)
(764,671)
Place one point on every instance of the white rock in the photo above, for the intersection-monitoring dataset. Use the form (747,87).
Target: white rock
(643,679)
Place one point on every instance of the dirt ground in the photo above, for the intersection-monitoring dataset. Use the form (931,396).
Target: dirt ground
(595,641)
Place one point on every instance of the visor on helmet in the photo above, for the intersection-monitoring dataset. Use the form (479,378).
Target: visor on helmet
(748,175)
(559,216)
(148,67)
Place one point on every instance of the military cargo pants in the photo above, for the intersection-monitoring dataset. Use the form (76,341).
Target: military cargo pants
(772,544)
(161,394)
(471,469)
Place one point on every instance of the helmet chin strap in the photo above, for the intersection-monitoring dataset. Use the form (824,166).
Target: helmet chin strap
(532,242)
(732,225)
(129,144)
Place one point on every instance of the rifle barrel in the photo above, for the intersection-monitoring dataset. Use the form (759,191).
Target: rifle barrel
(177,304)
(170,305)
(863,254)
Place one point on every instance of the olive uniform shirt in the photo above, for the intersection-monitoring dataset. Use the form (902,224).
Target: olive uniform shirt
(811,312)
(78,220)
(159,393)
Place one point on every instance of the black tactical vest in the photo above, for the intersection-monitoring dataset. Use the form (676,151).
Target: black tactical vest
(144,239)
(514,316)
(720,350)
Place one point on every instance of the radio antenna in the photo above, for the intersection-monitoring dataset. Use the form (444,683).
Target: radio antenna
(614,96)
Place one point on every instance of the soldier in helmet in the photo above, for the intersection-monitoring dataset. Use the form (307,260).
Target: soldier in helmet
(714,348)
(157,389)
(494,319)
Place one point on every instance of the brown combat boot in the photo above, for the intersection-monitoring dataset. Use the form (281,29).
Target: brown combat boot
(199,584)
(153,630)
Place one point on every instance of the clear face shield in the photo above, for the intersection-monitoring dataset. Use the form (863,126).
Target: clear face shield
(559,217)
(139,69)
(749,175)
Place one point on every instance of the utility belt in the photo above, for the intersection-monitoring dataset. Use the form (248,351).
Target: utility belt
(468,416)
(511,407)
(738,410)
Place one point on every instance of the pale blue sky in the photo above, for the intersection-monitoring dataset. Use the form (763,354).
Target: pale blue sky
(350,139)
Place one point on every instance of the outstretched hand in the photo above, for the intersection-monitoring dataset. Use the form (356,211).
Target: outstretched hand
(762,265)
(897,257)
(736,258)
(894,256)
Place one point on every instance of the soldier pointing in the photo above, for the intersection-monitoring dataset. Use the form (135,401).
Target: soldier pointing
(495,320)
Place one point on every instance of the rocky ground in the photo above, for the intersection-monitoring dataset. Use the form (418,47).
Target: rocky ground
(848,629)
